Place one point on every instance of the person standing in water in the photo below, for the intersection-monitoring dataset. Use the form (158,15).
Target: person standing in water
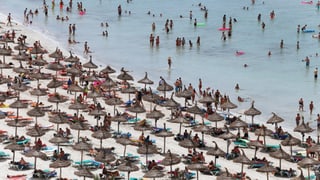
(169,62)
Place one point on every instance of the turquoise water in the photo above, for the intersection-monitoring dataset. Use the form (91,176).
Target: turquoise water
(276,83)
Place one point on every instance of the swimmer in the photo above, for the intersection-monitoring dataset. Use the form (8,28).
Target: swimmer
(245,65)
(237,87)
(269,53)
(169,62)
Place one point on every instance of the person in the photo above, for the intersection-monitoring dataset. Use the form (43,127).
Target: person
(200,86)
(309,141)
(211,165)
(298,118)
(281,43)
(307,60)
(141,137)
(237,87)
(22,164)
(298,45)
(301,104)
(236,151)
(315,73)
(311,107)
(9,19)
(169,62)
(55,155)
(61,154)
(246,133)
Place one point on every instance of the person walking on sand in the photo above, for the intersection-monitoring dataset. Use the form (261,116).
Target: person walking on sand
(9,19)
(300,104)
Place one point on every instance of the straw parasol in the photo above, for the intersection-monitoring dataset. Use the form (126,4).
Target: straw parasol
(60,164)
(197,167)
(59,118)
(203,129)
(71,58)
(124,142)
(36,112)
(124,75)
(21,46)
(216,151)
(57,98)
(147,149)
(280,154)
(252,111)
(155,114)
(84,172)
(20,69)
(80,126)
(128,167)
(54,83)
(129,90)
(257,144)
(104,157)
(118,118)
(151,98)
(145,81)
(164,87)
(243,159)
(55,66)
(114,101)
(18,104)
(36,154)
(35,132)
(101,134)
(215,117)
(164,133)
(195,110)
(208,99)
(57,54)
(184,94)
(58,140)
(108,70)
(14,147)
(170,103)
(90,65)
(290,141)
(82,146)
(170,159)
(38,92)
(136,108)
(263,131)
(238,123)
(78,106)
(188,142)
(228,105)
(154,173)
(227,136)
(275,119)
(142,125)
(180,120)
(307,163)
(303,128)
(267,169)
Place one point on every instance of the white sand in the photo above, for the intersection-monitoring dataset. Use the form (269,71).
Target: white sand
(75,155)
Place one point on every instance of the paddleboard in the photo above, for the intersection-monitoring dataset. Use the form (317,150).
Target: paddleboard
(239,53)
(308,31)
(224,29)
(201,24)
(306,2)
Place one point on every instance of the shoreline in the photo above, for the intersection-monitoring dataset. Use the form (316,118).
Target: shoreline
(32,36)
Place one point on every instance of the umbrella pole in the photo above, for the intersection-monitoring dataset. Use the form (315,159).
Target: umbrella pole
(100,143)
(81,159)
(128,175)
(280,164)
(241,170)
(155,123)
(309,172)
(255,152)
(118,127)
(180,128)
(197,175)
(215,160)
(60,173)
(35,163)
(164,145)
(291,151)
(114,110)
(136,117)
(267,175)
(14,154)
(78,135)
(202,138)
(252,120)
(124,151)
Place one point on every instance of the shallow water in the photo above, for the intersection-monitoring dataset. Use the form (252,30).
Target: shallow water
(275,83)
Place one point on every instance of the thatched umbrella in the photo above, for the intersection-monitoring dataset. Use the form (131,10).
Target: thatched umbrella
(114,101)
(257,144)
(108,83)
(243,159)
(147,149)
(197,167)
(188,142)
(18,104)
(145,81)
(280,154)
(155,114)
(142,125)
(128,167)
(58,140)
(275,119)
(227,136)
(179,120)
(54,83)
(57,54)
(101,134)
(170,159)
(307,163)
(263,131)
(252,111)
(59,118)
(60,164)
(90,65)
(124,75)
(21,47)
(164,133)
(108,70)
(203,129)
(124,142)
(79,126)
(154,173)
(184,94)
(164,87)
(170,103)
(55,66)
(216,151)
(38,92)
(206,100)
(35,132)
(303,128)
(129,90)
(14,147)
(20,69)
(82,146)
(215,117)
(39,62)
(104,157)
(17,123)
(71,58)
(290,141)
(267,169)
(36,154)
(228,105)
(195,110)
(97,113)
(300,177)
(36,112)
(136,108)
(118,118)
(151,98)
(57,98)
(84,172)
(238,123)
(78,106)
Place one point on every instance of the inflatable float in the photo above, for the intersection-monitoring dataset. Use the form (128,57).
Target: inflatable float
(224,29)
(82,13)
(315,36)
(308,31)
(201,24)
(239,53)
(306,2)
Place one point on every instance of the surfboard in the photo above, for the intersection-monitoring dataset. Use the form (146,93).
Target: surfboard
(308,31)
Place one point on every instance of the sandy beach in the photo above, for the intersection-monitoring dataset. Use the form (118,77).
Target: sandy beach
(171,143)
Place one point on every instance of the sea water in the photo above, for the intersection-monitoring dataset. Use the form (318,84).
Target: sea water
(275,83)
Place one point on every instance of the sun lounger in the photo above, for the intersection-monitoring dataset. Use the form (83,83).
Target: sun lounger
(4,155)
(23,141)
(17,166)
(17,177)
(92,164)
(44,174)
(242,143)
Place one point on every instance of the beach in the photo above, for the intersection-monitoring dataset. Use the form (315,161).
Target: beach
(288,105)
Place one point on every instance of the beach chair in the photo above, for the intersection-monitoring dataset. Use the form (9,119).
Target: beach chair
(242,143)
(23,141)
(4,155)
(91,164)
